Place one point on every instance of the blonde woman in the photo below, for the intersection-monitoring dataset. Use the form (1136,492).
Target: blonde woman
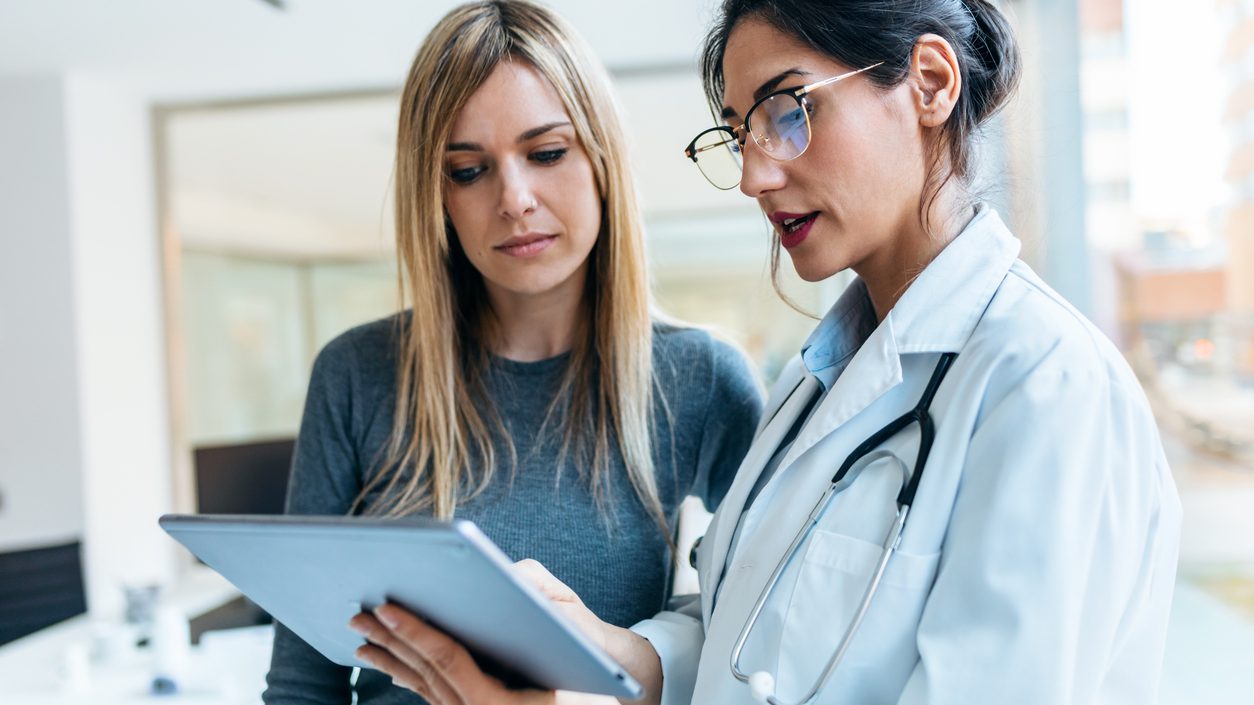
(529,388)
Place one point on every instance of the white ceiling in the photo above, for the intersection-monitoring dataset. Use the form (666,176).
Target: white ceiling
(181,50)
(253,165)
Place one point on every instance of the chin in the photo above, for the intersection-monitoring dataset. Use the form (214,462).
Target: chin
(537,277)
(812,271)
(533,285)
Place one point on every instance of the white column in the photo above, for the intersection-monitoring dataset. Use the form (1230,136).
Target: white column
(122,367)
(1062,185)
(41,497)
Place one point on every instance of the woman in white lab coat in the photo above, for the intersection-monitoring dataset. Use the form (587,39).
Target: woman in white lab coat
(1038,555)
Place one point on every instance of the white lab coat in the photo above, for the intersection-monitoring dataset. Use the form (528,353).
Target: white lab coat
(1039,557)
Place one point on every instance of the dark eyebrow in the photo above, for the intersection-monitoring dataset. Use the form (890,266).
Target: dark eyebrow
(767,87)
(528,135)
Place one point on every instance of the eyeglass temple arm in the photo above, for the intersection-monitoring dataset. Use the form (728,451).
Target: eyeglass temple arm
(692,150)
(819,84)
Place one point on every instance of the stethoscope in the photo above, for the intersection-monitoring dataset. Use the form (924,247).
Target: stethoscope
(762,683)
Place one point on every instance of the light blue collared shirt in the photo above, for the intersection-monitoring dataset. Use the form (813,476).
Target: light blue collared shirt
(842,331)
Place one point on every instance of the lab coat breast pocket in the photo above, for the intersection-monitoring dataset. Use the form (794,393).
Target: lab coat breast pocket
(835,570)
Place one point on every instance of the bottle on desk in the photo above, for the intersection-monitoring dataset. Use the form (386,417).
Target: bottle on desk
(171,647)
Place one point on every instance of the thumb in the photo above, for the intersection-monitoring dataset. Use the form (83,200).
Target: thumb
(536,574)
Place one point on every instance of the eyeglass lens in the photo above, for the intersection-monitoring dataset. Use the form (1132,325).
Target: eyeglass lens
(780,126)
(718,157)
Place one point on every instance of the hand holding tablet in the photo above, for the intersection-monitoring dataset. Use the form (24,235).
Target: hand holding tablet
(423,659)
(315,574)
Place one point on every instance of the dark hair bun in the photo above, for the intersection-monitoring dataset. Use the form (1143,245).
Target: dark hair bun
(996,73)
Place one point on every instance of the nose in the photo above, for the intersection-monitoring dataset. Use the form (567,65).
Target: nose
(518,197)
(759,174)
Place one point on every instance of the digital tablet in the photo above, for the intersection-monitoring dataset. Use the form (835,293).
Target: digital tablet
(314,573)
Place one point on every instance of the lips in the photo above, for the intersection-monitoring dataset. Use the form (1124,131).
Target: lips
(527,245)
(793,227)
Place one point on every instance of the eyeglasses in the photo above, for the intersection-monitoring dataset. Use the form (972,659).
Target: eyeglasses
(779,123)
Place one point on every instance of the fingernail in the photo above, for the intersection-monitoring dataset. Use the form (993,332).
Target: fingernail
(363,655)
(387,616)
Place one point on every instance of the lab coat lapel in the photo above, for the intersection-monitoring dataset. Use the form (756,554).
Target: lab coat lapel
(873,371)
(723,526)
(964,275)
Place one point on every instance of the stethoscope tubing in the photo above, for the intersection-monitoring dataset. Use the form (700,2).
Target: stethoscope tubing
(892,540)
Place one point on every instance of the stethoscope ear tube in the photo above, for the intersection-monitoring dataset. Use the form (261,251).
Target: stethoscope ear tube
(921,415)
(927,428)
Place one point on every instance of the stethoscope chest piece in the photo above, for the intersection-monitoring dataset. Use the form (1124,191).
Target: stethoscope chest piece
(762,685)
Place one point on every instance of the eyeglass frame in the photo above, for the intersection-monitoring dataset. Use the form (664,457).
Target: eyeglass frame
(798,94)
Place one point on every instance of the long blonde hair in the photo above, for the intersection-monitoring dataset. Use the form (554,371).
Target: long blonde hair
(438,429)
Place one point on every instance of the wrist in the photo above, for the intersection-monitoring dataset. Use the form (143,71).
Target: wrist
(619,643)
(634,653)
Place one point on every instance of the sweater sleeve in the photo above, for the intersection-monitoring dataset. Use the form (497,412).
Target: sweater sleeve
(325,478)
(732,410)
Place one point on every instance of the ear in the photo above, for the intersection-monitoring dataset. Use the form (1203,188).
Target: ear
(935,79)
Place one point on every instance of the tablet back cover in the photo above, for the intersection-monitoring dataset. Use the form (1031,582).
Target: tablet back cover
(314,573)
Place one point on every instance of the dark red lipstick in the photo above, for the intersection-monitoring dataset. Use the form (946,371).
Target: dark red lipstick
(793,227)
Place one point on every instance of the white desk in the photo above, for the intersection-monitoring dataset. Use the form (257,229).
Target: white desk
(226,668)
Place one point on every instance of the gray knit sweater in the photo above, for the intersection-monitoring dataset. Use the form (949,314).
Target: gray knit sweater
(617,561)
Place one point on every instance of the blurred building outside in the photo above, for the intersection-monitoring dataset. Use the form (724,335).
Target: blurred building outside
(1178,285)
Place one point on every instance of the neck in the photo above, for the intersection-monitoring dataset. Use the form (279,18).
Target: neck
(889,272)
(532,327)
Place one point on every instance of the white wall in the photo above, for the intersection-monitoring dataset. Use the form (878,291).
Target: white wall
(84,436)
(40,475)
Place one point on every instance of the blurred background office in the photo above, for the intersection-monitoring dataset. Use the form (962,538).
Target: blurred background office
(195,197)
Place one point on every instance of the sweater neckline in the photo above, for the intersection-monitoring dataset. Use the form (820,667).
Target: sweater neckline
(532,368)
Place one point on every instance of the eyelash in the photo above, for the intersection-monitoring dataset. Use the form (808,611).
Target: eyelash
(544,157)
(548,156)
